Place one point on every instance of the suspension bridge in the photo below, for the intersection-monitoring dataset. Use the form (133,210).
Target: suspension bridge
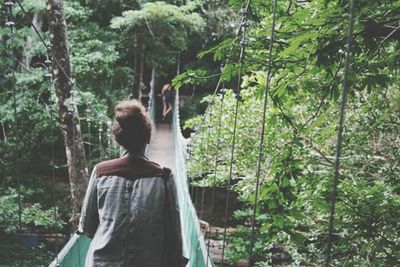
(168,147)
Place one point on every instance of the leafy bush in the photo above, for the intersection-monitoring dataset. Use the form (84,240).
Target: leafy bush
(296,179)
(33,216)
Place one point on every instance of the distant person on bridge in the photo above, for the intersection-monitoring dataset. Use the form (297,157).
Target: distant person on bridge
(130,208)
(167,95)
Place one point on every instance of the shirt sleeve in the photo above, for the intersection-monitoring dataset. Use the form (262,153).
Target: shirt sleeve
(89,219)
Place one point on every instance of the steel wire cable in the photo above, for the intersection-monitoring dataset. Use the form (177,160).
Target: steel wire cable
(232,154)
(260,147)
(52,161)
(199,127)
(60,67)
(239,30)
(204,171)
(53,179)
(88,121)
(11,24)
(343,101)
(74,87)
(218,140)
(55,217)
(100,131)
(196,189)
(56,60)
(73,117)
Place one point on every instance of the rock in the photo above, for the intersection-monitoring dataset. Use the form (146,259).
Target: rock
(215,250)
(242,263)
(219,231)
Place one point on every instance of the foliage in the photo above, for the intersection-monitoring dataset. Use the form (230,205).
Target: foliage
(163,28)
(33,216)
(296,179)
(298,152)
(95,57)
(33,128)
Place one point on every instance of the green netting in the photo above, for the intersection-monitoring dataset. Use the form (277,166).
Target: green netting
(74,252)
(193,240)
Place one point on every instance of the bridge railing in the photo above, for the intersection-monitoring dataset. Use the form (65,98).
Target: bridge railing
(193,241)
(73,253)
(151,105)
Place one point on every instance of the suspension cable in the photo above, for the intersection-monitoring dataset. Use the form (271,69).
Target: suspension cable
(109,140)
(11,24)
(261,144)
(205,163)
(55,59)
(74,87)
(52,162)
(88,121)
(243,24)
(243,44)
(204,168)
(100,131)
(328,252)
(218,140)
(196,189)
(73,114)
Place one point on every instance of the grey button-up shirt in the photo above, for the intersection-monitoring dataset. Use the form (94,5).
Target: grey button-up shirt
(123,212)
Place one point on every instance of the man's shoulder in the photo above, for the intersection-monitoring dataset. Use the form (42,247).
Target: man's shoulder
(127,167)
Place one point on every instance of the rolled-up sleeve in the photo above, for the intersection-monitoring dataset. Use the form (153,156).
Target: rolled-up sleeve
(89,219)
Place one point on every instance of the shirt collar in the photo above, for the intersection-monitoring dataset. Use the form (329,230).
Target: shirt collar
(135,155)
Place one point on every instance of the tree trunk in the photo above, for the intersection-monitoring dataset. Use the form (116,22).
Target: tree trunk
(137,67)
(67,110)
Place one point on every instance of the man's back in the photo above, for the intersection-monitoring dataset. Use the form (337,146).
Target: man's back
(124,212)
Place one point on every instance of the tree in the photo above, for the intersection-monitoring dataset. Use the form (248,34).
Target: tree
(67,110)
(157,31)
